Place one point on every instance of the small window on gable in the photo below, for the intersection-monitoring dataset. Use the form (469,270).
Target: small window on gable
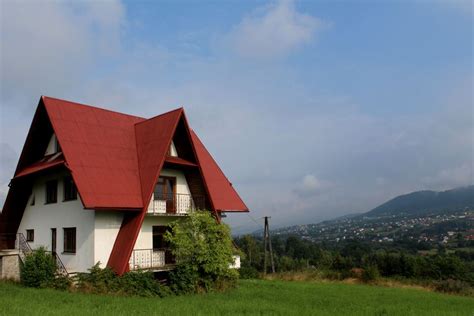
(53,146)
(32,199)
(51,191)
(172,150)
(57,148)
(70,191)
(30,235)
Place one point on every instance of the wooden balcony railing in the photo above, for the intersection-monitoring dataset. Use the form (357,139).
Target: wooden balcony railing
(179,204)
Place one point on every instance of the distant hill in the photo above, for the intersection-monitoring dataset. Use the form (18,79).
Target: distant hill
(422,202)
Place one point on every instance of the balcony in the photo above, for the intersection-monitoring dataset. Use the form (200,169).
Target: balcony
(151,259)
(175,204)
(161,259)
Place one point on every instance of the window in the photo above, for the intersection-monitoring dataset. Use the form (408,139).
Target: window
(57,148)
(70,191)
(30,235)
(69,240)
(159,241)
(32,199)
(51,191)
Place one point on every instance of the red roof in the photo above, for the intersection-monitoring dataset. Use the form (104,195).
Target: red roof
(100,149)
(45,163)
(221,192)
(180,161)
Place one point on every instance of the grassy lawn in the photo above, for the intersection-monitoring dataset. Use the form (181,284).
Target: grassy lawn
(254,297)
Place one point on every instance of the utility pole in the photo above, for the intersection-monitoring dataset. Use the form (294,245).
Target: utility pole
(267,241)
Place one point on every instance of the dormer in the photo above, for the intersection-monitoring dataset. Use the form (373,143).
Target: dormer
(53,146)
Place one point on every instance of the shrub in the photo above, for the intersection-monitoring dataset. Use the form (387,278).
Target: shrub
(141,284)
(203,250)
(60,282)
(248,272)
(106,281)
(39,269)
(332,275)
(184,279)
(454,286)
(370,273)
(98,280)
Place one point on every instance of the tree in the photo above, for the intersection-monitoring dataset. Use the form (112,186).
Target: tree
(203,250)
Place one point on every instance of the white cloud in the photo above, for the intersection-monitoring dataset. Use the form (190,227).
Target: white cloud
(49,45)
(311,183)
(274,31)
(462,175)
(311,186)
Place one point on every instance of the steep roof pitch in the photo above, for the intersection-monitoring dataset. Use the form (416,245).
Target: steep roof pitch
(100,150)
(221,192)
(153,138)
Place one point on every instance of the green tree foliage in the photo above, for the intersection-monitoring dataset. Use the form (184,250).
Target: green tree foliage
(39,269)
(106,281)
(203,250)
(337,261)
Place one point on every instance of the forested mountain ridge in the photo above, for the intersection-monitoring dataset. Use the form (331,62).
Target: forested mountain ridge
(422,202)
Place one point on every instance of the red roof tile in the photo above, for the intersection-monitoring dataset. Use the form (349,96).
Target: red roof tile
(223,196)
(43,164)
(100,149)
(179,161)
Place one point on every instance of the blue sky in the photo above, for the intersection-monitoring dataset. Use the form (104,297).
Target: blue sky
(331,107)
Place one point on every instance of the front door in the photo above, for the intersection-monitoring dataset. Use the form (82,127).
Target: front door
(165,189)
(53,240)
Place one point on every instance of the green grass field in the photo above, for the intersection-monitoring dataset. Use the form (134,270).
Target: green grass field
(255,297)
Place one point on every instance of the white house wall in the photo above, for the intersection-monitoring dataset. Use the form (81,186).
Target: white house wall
(181,183)
(42,217)
(107,226)
(145,237)
(96,231)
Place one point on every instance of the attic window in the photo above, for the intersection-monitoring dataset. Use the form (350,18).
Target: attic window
(53,146)
(172,150)
(57,147)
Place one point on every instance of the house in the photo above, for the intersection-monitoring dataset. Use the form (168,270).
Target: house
(93,185)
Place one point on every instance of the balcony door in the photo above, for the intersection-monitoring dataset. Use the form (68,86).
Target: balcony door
(160,244)
(165,190)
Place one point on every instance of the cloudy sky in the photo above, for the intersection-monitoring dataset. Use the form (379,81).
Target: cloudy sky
(314,109)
